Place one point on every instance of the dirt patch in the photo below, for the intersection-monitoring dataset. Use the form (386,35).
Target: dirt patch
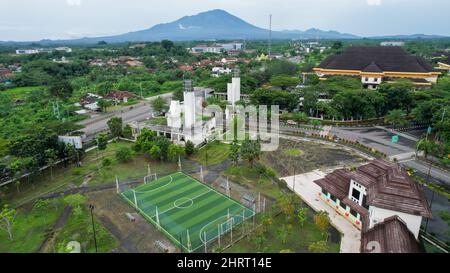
(137,236)
(313,156)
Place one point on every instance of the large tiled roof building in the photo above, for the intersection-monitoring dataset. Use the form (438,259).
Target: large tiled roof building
(378,64)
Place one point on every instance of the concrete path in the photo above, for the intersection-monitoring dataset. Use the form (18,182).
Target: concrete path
(308,190)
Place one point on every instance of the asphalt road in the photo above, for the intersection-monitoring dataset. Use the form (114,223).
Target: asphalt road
(137,112)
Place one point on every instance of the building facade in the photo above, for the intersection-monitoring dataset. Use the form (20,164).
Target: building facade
(375,65)
(372,193)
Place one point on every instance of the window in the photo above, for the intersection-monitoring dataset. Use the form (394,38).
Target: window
(364,202)
(333,198)
(366,79)
(353,213)
(356,194)
(344,206)
(324,192)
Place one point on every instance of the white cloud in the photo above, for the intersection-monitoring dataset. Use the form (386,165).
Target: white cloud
(373,2)
(73,2)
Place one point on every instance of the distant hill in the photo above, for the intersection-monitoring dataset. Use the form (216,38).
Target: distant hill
(409,37)
(215,25)
(211,25)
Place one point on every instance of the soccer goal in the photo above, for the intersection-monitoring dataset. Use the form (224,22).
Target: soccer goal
(151,177)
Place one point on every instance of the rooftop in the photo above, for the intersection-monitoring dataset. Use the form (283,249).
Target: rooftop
(377,59)
(388,186)
(393,237)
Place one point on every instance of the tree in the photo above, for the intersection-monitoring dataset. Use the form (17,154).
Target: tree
(7,217)
(104,104)
(41,206)
(174,152)
(287,205)
(396,117)
(50,155)
(115,125)
(302,215)
(318,247)
(127,132)
(102,142)
(284,82)
(234,153)
(145,140)
(178,95)
(61,89)
(316,123)
(167,45)
(159,104)
(281,67)
(398,95)
(189,148)
(155,152)
(322,220)
(250,151)
(124,154)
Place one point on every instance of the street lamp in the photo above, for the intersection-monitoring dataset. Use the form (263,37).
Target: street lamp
(91,208)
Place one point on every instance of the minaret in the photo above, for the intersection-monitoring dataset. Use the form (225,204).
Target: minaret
(189,104)
(234,89)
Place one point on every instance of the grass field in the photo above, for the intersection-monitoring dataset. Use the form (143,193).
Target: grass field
(213,153)
(186,210)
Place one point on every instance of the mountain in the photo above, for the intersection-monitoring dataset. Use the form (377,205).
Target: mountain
(409,37)
(216,25)
(211,25)
(314,33)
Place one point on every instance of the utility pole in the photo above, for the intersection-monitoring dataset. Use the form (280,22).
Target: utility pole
(270,35)
(91,207)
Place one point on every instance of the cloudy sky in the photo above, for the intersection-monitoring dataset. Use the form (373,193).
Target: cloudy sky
(38,19)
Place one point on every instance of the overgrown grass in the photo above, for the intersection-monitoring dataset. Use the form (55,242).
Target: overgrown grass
(30,228)
(251,177)
(213,153)
(79,228)
(298,239)
(92,162)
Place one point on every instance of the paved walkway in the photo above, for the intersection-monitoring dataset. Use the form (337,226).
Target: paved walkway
(308,190)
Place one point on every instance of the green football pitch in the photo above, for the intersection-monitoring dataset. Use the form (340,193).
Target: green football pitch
(189,212)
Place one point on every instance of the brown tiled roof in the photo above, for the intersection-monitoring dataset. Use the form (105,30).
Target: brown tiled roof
(446,60)
(388,186)
(393,237)
(337,183)
(396,191)
(376,59)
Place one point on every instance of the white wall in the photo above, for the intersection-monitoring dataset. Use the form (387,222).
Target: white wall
(189,109)
(377,215)
(360,188)
(370,80)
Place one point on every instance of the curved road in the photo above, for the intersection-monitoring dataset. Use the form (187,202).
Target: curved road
(137,112)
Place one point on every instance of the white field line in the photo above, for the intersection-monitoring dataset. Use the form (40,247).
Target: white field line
(193,198)
(170,182)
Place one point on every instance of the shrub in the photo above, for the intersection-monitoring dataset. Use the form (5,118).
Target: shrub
(124,154)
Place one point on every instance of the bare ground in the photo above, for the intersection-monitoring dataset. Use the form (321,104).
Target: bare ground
(134,237)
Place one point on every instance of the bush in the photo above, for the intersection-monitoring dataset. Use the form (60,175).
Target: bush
(106,162)
(124,154)
(189,148)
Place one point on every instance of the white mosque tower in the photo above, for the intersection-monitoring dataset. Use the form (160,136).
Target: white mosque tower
(189,105)
(234,88)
